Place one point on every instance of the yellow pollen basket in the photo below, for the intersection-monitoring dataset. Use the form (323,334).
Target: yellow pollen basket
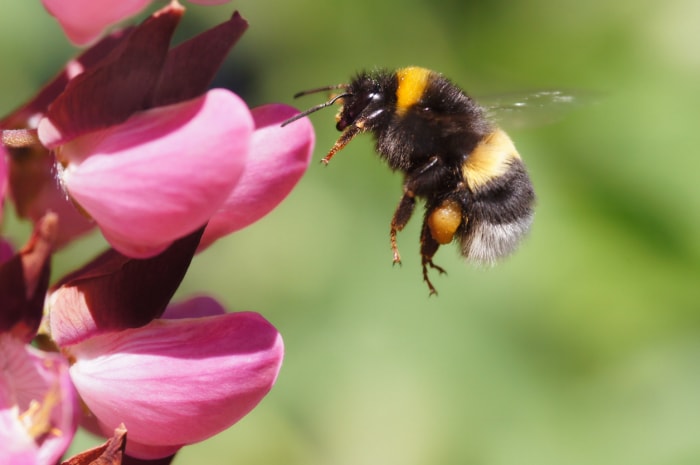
(444,221)
(412,83)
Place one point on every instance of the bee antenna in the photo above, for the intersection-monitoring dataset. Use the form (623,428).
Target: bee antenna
(316,108)
(319,89)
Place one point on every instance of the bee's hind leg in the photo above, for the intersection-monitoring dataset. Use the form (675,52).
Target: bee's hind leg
(428,247)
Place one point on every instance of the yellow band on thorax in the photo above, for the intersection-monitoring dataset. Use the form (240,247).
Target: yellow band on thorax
(412,83)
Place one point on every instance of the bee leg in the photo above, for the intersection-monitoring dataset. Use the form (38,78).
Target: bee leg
(342,141)
(401,216)
(408,202)
(428,247)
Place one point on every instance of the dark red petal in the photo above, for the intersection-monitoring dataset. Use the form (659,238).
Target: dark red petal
(121,85)
(133,461)
(20,118)
(190,67)
(24,280)
(109,453)
(122,292)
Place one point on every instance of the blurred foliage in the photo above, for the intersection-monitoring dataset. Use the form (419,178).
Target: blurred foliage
(584,348)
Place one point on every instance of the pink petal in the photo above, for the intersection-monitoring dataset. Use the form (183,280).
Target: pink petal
(194,308)
(33,377)
(279,157)
(16,446)
(84,20)
(176,382)
(163,173)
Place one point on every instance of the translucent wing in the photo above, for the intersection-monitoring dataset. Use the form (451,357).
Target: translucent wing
(532,109)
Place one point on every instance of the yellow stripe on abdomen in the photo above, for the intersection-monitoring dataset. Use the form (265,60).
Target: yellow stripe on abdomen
(412,83)
(489,160)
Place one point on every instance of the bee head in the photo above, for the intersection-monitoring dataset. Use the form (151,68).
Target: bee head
(363,104)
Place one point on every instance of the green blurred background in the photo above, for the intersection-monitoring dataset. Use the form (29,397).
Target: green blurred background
(584,348)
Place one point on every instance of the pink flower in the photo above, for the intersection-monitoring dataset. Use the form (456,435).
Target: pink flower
(198,362)
(278,158)
(83,21)
(176,382)
(38,404)
(164,167)
(173,380)
(159,158)
(139,82)
(33,187)
(161,174)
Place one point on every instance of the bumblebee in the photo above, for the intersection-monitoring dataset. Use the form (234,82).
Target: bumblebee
(467,171)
